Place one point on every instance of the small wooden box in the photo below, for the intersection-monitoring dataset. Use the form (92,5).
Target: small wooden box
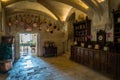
(5,65)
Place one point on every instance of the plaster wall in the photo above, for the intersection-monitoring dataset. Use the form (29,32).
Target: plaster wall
(58,36)
(79,16)
(102,21)
(113,4)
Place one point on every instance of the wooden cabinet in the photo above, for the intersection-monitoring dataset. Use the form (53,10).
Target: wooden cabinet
(5,65)
(102,61)
(82,30)
(50,51)
(116,20)
(9,41)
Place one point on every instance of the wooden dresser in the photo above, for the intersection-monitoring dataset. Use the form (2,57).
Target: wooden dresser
(103,61)
(50,51)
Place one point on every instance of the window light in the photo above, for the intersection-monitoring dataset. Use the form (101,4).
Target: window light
(100,1)
(83,4)
(4,0)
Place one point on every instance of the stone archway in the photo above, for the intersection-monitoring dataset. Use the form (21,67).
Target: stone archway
(17,45)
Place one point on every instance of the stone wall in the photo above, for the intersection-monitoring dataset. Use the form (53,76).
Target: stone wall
(114,4)
(102,21)
(79,16)
(57,35)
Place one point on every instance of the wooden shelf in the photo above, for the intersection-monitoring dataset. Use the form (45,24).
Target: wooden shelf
(116,36)
(116,32)
(103,61)
(81,30)
(116,17)
(50,51)
(117,23)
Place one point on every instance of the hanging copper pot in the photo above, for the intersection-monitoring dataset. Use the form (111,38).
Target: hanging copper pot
(35,22)
(9,22)
(21,22)
(40,28)
(50,24)
(16,19)
(28,19)
(24,15)
(54,26)
(38,22)
(58,29)
(16,28)
(51,31)
(45,21)
(28,28)
(32,15)
(48,30)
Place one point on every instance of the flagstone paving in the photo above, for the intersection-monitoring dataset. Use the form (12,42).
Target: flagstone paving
(50,68)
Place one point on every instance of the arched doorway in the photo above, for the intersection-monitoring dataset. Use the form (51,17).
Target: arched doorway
(28,44)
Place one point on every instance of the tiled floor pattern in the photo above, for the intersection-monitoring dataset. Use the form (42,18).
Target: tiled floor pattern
(50,68)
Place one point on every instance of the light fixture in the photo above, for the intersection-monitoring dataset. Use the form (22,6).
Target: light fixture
(83,4)
(100,1)
(4,0)
(94,2)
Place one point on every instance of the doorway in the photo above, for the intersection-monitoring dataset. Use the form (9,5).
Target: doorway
(28,44)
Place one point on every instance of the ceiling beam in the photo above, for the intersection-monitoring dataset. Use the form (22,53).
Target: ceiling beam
(40,2)
(45,4)
(4,4)
(99,6)
(93,6)
(12,11)
(73,4)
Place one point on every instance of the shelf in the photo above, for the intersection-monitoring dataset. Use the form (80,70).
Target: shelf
(117,43)
(50,51)
(116,17)
(116,32)
(117,23)
(81,30)
(117,36)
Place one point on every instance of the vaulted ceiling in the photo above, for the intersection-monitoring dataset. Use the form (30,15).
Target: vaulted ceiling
(57,9)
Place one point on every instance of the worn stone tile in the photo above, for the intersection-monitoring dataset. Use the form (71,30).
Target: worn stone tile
(50,68)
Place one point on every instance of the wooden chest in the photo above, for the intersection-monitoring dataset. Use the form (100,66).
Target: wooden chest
(5,65)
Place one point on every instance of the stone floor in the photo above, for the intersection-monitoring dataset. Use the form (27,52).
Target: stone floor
(50,68)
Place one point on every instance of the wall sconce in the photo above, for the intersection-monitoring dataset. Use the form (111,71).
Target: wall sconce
(48,30)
